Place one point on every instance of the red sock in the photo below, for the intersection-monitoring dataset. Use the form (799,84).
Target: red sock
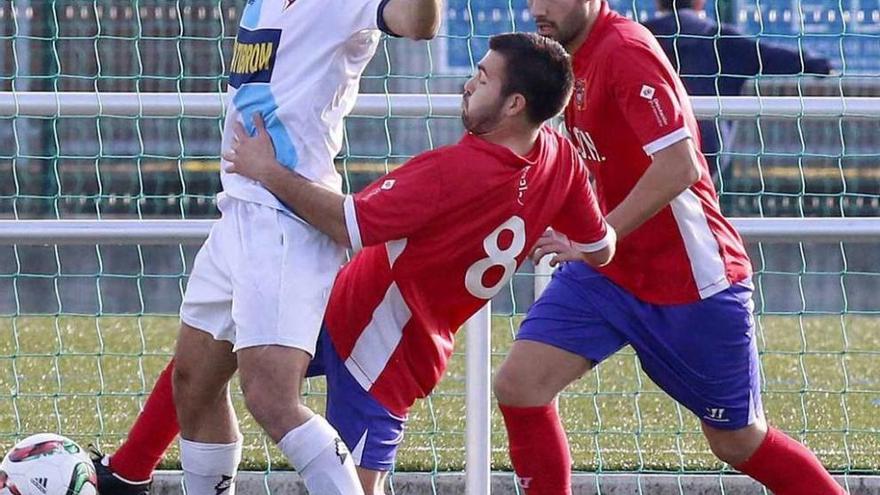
(538,449)
(152,433)
(788,468)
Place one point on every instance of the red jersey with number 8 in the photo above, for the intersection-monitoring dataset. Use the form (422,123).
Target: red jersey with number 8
(438,237)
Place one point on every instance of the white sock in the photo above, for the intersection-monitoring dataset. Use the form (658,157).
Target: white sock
(209,468)
(315,450)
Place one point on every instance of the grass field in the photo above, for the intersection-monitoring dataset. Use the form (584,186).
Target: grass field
(86,378)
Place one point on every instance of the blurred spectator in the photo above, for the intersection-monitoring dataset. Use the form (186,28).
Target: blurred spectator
(700,51)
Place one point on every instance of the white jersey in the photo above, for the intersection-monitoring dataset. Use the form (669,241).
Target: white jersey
(298,63)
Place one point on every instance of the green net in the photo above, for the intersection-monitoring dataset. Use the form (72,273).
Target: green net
(84,330)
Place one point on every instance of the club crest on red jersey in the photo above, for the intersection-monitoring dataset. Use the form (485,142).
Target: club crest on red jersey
(580,94)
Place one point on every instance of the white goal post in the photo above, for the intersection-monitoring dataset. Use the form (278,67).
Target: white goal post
(478,393)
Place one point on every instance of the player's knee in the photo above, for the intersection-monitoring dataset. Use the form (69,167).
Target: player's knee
(507,389)
(728,451)
(267,404)
(182,381)
(256,398)
(734,446)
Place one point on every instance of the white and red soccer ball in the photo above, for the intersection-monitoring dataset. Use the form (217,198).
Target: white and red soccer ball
(47,464)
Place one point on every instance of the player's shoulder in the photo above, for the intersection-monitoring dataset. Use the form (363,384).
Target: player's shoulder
(625,37)
(559,150)
(555,140)
(451,159)
(452,152)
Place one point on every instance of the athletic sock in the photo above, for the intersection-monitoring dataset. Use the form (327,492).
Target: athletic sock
(538,449)
(209,468)
(788,468)
(315,450)
(152,433)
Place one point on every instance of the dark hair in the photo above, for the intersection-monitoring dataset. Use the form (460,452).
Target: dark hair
(537,68)
(675,4)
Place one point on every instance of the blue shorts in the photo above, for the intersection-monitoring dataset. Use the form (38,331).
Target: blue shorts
(703,354)
(370,431)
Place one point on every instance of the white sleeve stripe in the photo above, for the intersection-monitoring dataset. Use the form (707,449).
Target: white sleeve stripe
(609,239)
(667,140)
(351,224)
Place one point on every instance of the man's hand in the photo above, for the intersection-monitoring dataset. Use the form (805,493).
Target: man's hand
(562,249)
(558,245)
(252,157)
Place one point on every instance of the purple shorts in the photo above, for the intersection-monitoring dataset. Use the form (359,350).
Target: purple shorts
(702,354)
(371,432)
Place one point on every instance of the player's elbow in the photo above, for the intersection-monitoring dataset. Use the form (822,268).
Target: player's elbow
(601,257)
(429,31)
(424,28)
(413,19)
(692,172)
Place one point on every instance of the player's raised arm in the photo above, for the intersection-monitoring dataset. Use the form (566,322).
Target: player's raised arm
(254,157)
(413,19)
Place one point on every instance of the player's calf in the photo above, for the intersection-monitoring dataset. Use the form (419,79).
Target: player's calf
(210,444)
(202,370)
(786,467)
(526,385)
(372,481)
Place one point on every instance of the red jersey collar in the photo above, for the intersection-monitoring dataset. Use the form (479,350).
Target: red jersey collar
(505,154)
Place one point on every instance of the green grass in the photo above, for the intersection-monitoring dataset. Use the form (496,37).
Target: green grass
(86,377)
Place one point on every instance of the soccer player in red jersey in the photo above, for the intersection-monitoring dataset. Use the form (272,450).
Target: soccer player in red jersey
(679,289)
(437,238)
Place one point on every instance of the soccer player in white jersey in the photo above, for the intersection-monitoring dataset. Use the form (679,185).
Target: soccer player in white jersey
(258,289)
(438,237)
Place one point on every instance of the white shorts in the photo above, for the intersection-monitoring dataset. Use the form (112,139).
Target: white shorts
(263,277)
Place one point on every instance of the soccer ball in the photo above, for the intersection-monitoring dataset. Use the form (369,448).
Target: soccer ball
(47,464)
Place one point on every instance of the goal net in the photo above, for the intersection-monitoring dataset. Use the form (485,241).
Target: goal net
(86,327)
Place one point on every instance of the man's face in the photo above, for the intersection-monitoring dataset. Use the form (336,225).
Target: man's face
(482,103)
(560,20)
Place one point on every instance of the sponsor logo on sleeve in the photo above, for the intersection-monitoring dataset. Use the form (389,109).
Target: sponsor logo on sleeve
(648,92)
(387,185)
(253,56)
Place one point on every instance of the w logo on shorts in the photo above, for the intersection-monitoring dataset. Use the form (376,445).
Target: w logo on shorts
(715,414)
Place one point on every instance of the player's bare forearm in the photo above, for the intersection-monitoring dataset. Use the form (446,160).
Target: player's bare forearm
(254,158)
(673,170)
(319,206)
(413,19)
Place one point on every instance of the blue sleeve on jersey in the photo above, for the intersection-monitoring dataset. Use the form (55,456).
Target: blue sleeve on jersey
(380,20)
